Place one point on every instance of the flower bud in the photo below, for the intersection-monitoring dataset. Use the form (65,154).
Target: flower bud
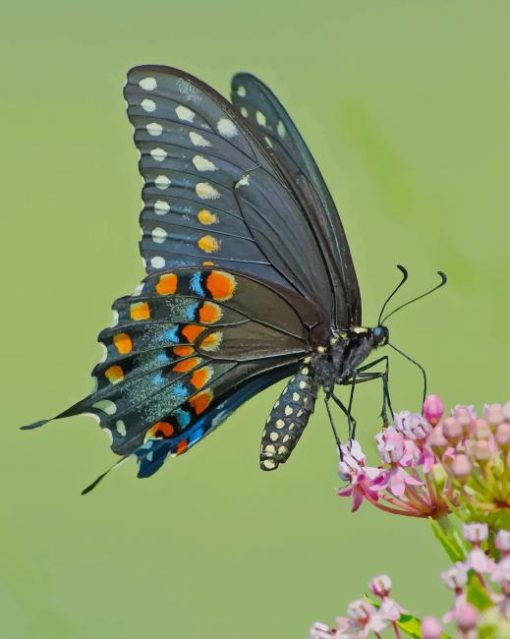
(431,628)
(502,435)
(437,441)
(456,576)
(502,541)
(452,430)
(493,413)
(506,411)
(482,450)
(380,586)
(361,610)
(475,533)
(433,409)
(482,429)
(466,617)
(461,467)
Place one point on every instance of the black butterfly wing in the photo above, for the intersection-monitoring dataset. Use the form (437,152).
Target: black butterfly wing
(184,351)
(212,193)
(272,124)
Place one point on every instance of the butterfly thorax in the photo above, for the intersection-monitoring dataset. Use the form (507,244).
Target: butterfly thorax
(336,362)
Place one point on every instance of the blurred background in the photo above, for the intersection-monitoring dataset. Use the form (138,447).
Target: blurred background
(405,106)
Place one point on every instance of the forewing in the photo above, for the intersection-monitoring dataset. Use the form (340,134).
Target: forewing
(272,124)
(212,194)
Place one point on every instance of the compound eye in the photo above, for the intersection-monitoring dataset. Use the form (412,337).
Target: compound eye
(379,334)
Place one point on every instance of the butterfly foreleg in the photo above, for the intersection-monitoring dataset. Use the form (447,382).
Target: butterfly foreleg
(363,374)
(288,419)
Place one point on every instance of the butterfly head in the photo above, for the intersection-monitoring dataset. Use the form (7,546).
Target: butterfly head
(380,336)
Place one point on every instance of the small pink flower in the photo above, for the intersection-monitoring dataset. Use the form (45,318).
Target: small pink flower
(478,561)
(391,445)
(433,409)
(494,414)
(475,533)
(320,631)
(431,628)
(397,479)
(380,586)
(412,425)
(460,411)
(456,576)
(502,541)
(365,620)
(365,483)
(452,430)
(501,574)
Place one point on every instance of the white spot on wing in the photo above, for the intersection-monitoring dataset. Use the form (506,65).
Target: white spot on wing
(154,128)
(227,128)
(157,262)
(203,164)
(148,84)
(206,191)
(121,427)
(158,154)
(106,406)
(104,352)
(198,140)
(244,112)
(241,91)
(261,118)
(159,235)
(161,207)
(244,181)
(162,182)
(185,114)
(115,319)
(148,105)
(138,290)
(281,129)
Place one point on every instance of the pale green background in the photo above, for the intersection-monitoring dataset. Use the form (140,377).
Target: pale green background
(405,105)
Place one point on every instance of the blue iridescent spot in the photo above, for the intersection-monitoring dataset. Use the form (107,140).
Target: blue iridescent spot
(158,379)
(170,335)
(162,358)
(196,284)
(183,417)
(191,311)
(179,391)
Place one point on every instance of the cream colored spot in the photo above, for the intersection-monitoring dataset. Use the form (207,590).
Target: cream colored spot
(148,84)
(106,406)
(270,449)
(280,423)
(162,182)
(203,164)
(295,397)
(157,262)
(288,410)
(261,118)
(268,141)
(244,181)
(154,128)
(227,128)
(282,450)
(286,438)
(281,129)
(185,114)
(244,112)
(241,91)
(104,352)
(148,105)
(159,235)
(138,290)
(302,385)
(158,154)
(115,319)
(292,426)
(161,207)
(121,427)
(273,436)
(206,191)
(198,140)
(305,371)
(270,464)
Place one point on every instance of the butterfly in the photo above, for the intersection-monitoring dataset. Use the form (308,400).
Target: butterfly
(249,277)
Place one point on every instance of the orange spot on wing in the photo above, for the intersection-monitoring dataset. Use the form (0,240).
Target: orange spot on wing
(206,217)
(160,429)
(183,351)
(192,331)
(221,285)
(139,311)
(114,374)
(167,284)
(201,401)
(182,446)
(208,244)
(186,365)
(123,343)
(212,341)
(209,312)
(201,376)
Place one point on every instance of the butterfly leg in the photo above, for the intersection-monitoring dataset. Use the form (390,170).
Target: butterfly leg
(363,375)
(288,419)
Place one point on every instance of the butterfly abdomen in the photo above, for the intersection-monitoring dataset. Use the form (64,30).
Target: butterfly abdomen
(288,419)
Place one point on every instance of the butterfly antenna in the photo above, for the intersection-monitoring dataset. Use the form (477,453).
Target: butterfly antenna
(413,361)
(101,477)
(399,285)
(443,281)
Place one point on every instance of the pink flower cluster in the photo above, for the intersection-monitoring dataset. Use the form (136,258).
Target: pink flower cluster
(364,618)
(431,465)
(479,571)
